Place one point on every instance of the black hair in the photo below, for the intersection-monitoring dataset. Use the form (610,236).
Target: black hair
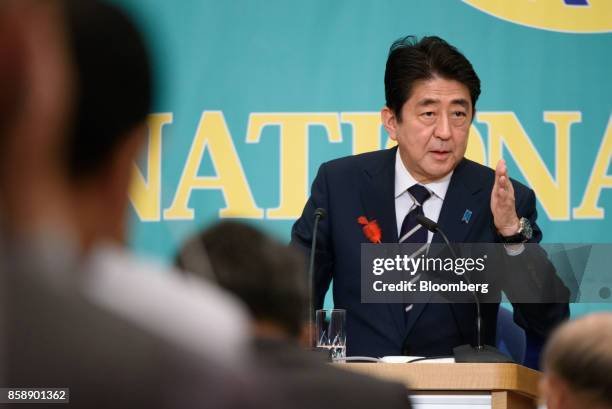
(269,277)
(411,60)
(113,82)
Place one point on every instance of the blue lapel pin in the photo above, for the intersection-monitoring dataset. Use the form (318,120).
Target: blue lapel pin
(467,215)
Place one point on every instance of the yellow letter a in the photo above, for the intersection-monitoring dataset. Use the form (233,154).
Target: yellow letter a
(213,134)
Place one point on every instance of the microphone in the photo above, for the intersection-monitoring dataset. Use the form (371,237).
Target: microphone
(319,214)
(434,228)
(429,224)
(467,353)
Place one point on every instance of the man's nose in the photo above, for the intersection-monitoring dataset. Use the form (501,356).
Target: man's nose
(443,130)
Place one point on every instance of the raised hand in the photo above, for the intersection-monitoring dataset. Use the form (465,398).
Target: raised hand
(503,204)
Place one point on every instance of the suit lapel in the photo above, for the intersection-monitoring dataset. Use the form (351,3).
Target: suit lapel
(378,196)
(460,197)
(378,199)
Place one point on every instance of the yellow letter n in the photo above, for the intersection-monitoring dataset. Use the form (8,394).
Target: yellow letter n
(145,195)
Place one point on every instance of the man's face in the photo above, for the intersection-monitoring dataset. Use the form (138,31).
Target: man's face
(433,132)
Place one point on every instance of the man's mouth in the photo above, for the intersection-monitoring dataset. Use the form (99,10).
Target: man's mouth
(440,154)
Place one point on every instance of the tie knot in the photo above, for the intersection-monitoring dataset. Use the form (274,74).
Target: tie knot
(419,193)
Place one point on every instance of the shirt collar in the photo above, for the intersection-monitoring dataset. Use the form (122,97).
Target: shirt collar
(404,180)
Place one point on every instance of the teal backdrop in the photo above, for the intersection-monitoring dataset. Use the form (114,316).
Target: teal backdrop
(254,95)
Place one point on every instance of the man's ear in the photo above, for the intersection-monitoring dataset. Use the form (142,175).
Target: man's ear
(389,121)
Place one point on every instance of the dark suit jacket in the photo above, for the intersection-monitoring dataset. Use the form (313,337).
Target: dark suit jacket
(306,380)
(363,185)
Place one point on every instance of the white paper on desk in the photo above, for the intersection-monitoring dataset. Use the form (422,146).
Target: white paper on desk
(399,359)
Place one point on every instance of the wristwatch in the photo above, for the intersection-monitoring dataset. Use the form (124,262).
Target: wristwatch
(524,233)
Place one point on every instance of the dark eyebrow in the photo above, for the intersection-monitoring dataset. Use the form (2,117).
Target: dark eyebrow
(427,101)
(463,102)
(432,101)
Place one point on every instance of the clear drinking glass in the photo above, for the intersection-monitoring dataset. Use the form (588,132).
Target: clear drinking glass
(331,332)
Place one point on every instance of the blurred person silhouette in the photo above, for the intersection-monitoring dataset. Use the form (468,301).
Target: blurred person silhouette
(77,310)
(577,364)
(114,91)
(271,280)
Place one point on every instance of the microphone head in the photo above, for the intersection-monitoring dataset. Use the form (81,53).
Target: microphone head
(320,213)
(427,223)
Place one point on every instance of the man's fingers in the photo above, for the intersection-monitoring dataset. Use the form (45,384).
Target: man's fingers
(500,168)
(501,178)
(506,185)
(502,198)
(502,183)
(500,175)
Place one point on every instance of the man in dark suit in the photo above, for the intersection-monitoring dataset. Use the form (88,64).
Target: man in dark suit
(270,279)
(431,91)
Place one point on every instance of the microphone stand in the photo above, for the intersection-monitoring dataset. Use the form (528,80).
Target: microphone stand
(319,214)
(468,353)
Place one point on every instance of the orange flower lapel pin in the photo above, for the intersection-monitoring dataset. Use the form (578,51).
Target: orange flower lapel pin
(371,229)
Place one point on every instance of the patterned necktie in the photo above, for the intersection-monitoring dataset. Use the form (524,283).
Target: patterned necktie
(412,231)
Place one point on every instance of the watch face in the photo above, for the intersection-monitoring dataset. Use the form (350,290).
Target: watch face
(524,233)
(526,230)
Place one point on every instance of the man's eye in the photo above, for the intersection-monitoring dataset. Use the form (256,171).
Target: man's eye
(428,114)
(459,113)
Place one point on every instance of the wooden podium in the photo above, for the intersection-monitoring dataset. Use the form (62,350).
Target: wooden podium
(508,385)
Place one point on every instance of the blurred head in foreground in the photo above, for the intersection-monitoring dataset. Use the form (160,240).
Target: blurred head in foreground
(70,123)
(268,277)
(578,364)
(113,95)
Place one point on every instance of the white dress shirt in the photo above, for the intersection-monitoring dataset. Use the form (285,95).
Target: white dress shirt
(195,315)
(404,202)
